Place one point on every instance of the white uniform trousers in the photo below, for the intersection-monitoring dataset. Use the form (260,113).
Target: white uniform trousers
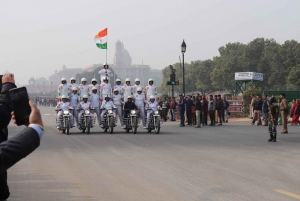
(58,118)
(75,114)
(120,114)
(97,111)
(142,114)
(148,117)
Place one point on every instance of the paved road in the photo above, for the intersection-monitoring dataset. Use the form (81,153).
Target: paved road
(230,162)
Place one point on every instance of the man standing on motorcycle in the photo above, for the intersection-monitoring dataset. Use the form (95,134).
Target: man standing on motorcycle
(83,105)
(140,102)
(73,83)
(127,90)
(117,100)
(105,88)
(151,90)
(64,105)
(105,72)
(63,89)
(107,104)
(94,84)
(137,85)
(74,100)
(118,85)
(95,101)
(151,106)
(83,88)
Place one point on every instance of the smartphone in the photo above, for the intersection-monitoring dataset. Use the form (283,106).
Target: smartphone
(1,82)
(20,104)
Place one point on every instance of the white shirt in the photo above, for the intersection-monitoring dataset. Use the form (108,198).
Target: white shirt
(74,100)
(63,89)
(95,100)
(63,106)
(126,91)
(71,85)
(151,91)
(117,100)
(108,105)
(97,86)
(103,73)
(83,90)
(85,106)
(154,106)
(119,87)
(106,89)
(139,99)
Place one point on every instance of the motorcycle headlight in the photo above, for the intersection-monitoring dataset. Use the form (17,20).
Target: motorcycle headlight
(109,111)
(66,112)
(132,112)
(86,112)
(156,112)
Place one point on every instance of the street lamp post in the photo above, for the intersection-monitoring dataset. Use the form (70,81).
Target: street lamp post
(183,49)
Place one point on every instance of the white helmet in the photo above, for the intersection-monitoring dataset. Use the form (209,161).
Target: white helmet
(74,89)
(107,96)
(72,78)
(63,79)
(129,97)
(83,80)
(116,90)
(150,80)
(94,88)
(152,97)
(137,80)
(105,64)
(127,80)
(85,96)
(139,89)
(105,78)
(94,80)
(63,96)
(118,80)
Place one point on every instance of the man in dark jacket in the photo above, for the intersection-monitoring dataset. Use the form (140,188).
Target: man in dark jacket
(8,82)
(128,106)
(219,105)
(257,108)
(188,106)
(265,110)
(181,109)
(198,112)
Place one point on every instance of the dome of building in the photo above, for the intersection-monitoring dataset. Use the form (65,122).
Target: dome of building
(31,79)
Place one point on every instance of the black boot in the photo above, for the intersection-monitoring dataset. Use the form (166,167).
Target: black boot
(271,138)
(274,138)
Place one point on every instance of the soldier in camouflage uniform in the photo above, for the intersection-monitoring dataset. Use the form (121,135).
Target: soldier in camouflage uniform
(273,119)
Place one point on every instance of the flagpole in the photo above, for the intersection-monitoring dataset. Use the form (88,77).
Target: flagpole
(106,47)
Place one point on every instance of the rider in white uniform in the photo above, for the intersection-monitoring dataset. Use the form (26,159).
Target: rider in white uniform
(82,106)
(105,88)
(95,101)
(140,102)
(138,85)
(73,83)
(74,100)
(105,72)
(94,84)
(127,90)
(63,105)
(151,90)
(108,105)
(63,89)
(83,88)
(118,85)
(117,100)
(151,106)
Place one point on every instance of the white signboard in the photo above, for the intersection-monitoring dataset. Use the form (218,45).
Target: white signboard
(249,76)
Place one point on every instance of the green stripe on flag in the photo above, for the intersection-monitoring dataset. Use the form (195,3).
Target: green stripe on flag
(102,46)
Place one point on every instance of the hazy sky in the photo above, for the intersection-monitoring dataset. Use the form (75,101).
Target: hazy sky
(39,36)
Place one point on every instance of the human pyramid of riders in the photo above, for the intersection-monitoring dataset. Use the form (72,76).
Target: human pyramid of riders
(128,102)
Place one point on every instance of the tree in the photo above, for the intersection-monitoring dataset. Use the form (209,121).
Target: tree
(293,78)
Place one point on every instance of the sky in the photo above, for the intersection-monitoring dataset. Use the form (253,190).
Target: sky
(39,36)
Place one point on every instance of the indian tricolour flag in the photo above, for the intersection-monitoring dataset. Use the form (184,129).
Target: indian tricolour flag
(101,39)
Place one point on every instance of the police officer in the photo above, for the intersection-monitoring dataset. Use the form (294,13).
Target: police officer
(95,101)
(105,72)
(118,85)
(64,105)
(105,88)
(140,102)
(94,84)
(108,105)
(83,89)
(151,106)
(181,109)
(74,101)
(73,83)
(151,89)
(82,106)
(272,119)
(63,89)
(117,100)
(137,85)
(127,90)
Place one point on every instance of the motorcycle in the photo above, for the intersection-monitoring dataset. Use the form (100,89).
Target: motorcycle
(109,121)
(154,122)
(131,121)
(86,121)
(65,122)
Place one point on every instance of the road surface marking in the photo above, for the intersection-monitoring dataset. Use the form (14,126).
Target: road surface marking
(288,194)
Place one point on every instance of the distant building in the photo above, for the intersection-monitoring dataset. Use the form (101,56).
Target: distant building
(123,67)
(64,72)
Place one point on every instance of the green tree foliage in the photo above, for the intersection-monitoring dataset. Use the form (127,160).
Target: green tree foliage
(247,95)
(280,64)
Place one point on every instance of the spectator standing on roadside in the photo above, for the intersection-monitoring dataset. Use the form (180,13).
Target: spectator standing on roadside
(204,110)
(265,110)
(226,106)
(189,104)
(211,110)
(181,109)
(284,110)
(296,113)
(198,112)
(219,105)
(253,98)
(257,108)
(216,110)
(172,106)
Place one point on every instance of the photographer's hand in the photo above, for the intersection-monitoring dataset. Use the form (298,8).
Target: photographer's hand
(8,77)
